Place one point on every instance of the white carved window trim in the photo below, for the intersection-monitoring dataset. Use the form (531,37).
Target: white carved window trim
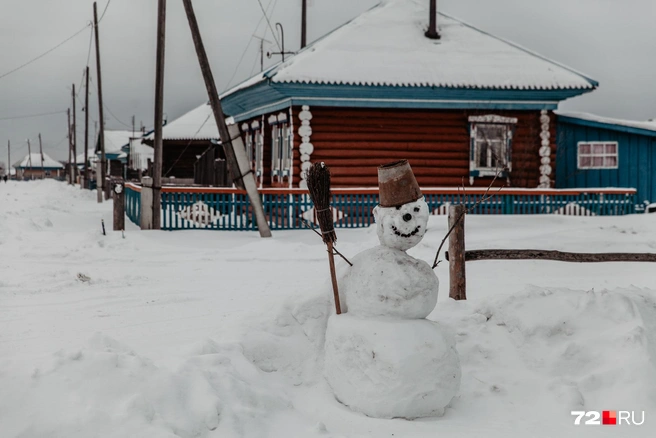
(606,151)
(281,144)
(475,122)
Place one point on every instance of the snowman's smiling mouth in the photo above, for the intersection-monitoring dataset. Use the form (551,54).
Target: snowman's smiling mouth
(410,234)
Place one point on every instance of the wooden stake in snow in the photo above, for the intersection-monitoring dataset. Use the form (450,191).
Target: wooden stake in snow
(318,181)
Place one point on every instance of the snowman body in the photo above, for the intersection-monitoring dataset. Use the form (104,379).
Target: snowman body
(382,357)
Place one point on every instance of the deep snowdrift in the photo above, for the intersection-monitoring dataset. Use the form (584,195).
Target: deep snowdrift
(202,334)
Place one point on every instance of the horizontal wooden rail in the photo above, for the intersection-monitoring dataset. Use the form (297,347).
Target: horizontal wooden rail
(425,191)
(537,254)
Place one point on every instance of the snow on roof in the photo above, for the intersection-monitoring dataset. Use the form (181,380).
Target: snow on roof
(386,46)
(649,125)
(91,155)
(197,124)
(48,163)
(115,140)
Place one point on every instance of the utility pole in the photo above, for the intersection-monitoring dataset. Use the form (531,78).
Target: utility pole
(9,159)
(29,158)
(240,168)
(43,173)
(86,130)
(303,23)
(100,176)
(74,129)
(159,114)
(70,147)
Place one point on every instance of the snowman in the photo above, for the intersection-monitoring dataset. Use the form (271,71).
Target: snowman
(382,357)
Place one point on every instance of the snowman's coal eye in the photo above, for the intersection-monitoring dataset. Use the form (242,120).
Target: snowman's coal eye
(398,207)
(417,209)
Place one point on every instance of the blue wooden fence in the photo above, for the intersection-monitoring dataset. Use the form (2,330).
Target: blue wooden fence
(133,203)
(229,209)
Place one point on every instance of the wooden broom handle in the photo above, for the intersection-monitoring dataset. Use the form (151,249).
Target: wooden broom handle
(333,277)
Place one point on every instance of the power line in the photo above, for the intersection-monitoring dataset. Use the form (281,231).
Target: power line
(189,143)
(273,32)
(27,116)
(250,40)
(104,10)
(44,53)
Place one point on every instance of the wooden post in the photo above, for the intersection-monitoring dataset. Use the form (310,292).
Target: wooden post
(29,158)
(240,168)
(100,175)
(86,130)
(43,173)
(457,286)
(70,147)
(119,206)
(9,159)
(303,23)
(74,129)
(159,114)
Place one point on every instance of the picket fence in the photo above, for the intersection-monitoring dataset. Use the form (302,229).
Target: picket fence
(229,209)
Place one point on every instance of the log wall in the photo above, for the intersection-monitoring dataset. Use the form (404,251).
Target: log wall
(355,141)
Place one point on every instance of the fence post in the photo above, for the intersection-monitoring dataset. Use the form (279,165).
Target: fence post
(457,286)
(146,203)
(119,206)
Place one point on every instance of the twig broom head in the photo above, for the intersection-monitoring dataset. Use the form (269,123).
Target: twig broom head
(318,181)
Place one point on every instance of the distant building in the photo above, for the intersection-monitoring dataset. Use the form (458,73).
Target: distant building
(31,167)
(594,151)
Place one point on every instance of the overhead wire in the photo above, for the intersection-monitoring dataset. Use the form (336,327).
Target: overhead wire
(193,137)
(250,40)
(27,116)
(44,53)
(273,32)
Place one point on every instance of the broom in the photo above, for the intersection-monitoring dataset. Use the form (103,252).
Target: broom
(318,181)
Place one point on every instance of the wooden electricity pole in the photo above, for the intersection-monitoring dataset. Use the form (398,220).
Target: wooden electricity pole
(70,147)
(240,168)
(74,129)
(29,158)
(100,175)
(86,130)
(9,159)
(159,114)
(303,23)
(43,173)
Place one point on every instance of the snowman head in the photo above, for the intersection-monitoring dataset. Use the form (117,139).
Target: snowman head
(402,227)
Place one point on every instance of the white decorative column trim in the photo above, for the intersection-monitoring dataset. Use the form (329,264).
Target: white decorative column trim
(291,147)
(545,152)
(306,148)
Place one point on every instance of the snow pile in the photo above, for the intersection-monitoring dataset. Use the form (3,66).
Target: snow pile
(389,367)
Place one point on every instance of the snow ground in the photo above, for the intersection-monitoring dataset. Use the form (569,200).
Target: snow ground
(218,334)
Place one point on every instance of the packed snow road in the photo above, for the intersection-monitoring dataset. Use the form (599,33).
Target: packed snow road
(219,334)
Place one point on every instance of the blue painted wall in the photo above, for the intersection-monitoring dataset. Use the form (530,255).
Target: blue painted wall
(636,157)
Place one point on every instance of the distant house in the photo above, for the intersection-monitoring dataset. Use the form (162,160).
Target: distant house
(460,108)
(596,151)
(185,139)
(33,167)
(117,158)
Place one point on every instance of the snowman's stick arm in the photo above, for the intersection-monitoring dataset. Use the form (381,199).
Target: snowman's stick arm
(484,198)
(319,234)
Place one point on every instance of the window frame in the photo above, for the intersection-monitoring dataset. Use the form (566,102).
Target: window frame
(510,124)
(593,155)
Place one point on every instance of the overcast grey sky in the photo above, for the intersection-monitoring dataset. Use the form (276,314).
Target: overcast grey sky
(613,41)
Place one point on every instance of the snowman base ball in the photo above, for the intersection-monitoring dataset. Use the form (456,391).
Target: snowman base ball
(391,368)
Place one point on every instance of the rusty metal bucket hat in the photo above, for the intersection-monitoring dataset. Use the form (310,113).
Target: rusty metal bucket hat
(397,184)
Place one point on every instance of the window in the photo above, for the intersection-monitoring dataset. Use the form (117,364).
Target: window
(491,145)
(597,155)
(281,147)
(253,144)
